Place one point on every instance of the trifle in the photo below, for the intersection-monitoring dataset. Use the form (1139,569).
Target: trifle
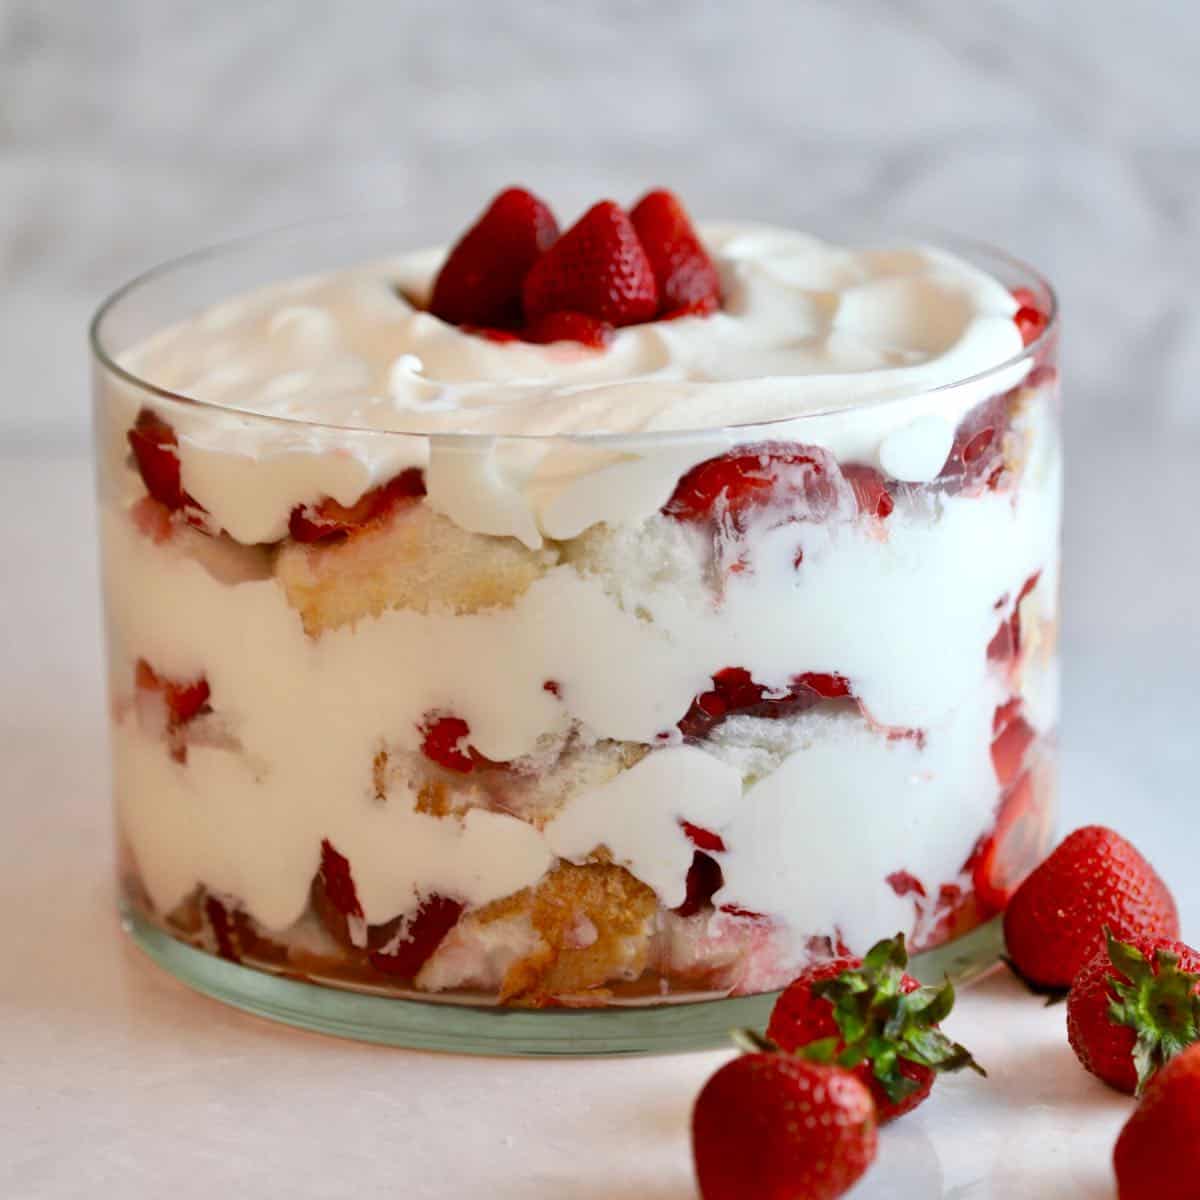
(613,618)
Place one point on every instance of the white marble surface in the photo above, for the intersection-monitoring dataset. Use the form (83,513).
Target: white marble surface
(134,130)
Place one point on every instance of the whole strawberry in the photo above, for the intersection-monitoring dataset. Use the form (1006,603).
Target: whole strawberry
(871,1017)
(1055,921)
(775,1127)
(480,281)
(687,280)
(1133,1007)
(1157,1156)
(597,268)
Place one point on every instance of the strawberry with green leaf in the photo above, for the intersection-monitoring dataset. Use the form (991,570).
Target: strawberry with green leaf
(1133,1007)
(871,1017)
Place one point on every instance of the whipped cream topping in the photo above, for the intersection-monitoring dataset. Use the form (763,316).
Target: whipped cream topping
(872,353)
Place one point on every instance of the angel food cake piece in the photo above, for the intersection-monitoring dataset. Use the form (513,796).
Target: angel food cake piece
(627,613)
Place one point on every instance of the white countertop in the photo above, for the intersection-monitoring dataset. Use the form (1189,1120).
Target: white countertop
(115,1080)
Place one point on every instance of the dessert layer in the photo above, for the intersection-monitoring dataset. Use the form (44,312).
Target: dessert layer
(850,341)
(606,643)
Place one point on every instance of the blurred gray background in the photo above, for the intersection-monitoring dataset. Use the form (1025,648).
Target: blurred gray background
(133,130)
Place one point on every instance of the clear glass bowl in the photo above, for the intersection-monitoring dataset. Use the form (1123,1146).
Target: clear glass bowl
(599,788)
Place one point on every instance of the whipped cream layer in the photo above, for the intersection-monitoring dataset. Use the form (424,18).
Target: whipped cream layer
(873,353)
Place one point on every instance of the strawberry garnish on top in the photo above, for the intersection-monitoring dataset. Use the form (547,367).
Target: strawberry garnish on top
(871,1017)
(598,268)
(512,278)
(1095,879)
(688,283)
(1133,1007)
(1157,1155)
(776,1127)
(480,282)
(567,326)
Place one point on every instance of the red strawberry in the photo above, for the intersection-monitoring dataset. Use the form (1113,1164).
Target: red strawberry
(774,1127)
(687,280)
(405,945)
(1005,647)
(222,929)
(398,947)
(331,521)
(1157,1155)
(1029,318)
(567,326)
(698,308)
(705,877)
(480,281)
(337,881)
(155,450)
(730,488)
(184,700)
(1055,922)
(1012,849)
(874,500)
(976,458)
(443,744)
(1012,736)
(1133,1007)
(597,268)
(734,693)
(871,1017)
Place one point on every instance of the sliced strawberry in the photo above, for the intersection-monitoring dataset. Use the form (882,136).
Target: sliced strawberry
(704,879)
(686,277)
(492,335)
(734,693)
(1012,737)
(976,458)
(480,281)
(155,450)
(1005,647)
(1010,852)
(222,929)
(443,741)
(874,500)
(564,326)
(329,520)
(703,839)
(598,268)
(1029,319)
(338,881)
(404,954)
(184,700)
(733,486)
(905,883)
(698,308)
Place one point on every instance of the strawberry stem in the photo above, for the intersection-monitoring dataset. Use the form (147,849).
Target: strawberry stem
(882,1021)
(1158,1001)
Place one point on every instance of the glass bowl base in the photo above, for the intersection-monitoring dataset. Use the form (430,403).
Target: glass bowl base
(473,1029)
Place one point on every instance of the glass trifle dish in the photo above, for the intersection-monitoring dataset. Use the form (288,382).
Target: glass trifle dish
(556,642)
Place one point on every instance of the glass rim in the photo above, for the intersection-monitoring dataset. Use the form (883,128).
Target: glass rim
(936,239)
